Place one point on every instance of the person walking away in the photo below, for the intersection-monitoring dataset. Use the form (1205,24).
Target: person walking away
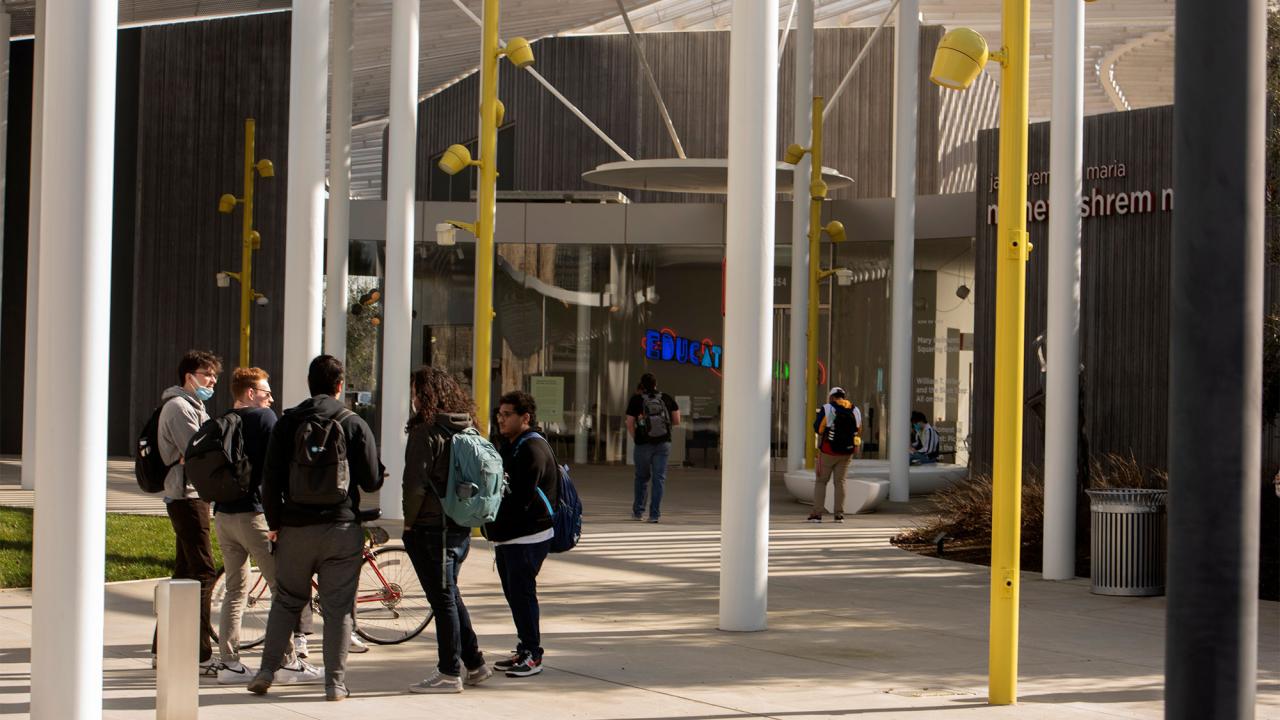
(181,415)
(435,543)
(243,534)
(926,444)
(836,426)
(650,416)
(321,455)
(522,531)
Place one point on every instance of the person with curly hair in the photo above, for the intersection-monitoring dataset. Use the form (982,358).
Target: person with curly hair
(435,543)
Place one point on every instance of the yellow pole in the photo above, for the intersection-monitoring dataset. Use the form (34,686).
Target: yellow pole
(246,253)
(817,192)
(1011,283)
(487,200)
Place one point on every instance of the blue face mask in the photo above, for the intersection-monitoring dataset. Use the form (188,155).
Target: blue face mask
(204,393)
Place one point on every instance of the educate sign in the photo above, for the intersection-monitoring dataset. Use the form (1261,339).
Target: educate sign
(667,346)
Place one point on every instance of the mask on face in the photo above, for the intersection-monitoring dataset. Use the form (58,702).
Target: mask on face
(204,393)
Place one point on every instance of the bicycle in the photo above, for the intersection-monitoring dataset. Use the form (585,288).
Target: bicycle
(391,606)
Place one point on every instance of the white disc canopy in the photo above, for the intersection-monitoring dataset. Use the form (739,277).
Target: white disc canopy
(692,175)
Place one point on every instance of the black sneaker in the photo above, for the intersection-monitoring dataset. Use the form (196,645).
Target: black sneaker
(509,662)
(527,666)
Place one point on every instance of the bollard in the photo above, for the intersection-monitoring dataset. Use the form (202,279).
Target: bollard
(177,654)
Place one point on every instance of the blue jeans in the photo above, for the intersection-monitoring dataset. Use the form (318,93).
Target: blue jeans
(518,567)
(437,565)
(651,461)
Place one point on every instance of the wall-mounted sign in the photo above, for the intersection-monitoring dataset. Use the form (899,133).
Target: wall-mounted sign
(665,345)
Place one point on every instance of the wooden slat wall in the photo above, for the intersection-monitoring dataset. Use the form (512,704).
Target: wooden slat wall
(199,81)
(1124,320)
(601,75)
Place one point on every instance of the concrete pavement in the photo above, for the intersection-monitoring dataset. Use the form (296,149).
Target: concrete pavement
(856,628)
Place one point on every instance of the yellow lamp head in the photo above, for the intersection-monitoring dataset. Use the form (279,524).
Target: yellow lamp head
(519,52)
(227,204)
(794,153)
(835,229)
(499,112)
(455,158)
(959,59)
(265,168)
(255,239)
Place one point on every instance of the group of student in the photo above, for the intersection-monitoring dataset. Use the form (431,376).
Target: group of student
(298,518)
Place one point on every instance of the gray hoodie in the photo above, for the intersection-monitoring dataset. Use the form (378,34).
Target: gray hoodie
(178,422)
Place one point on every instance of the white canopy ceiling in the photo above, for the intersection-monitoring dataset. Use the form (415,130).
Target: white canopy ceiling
(1128,53)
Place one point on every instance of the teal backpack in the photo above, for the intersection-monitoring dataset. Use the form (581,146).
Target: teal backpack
(476,480)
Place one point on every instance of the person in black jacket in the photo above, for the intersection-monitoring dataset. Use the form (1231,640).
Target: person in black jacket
(522,531)
(435,543)
(318,539)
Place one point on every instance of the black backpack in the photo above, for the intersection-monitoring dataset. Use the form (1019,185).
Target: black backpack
(148,467)
(319,473)
(844,427)
(215,462)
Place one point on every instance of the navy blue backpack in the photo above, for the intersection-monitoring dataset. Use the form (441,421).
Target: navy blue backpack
(566,516)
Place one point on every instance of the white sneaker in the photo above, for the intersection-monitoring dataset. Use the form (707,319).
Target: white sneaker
(210,668)
(438,683)
(301,673)
(357,645)
(234,673)
(300,645)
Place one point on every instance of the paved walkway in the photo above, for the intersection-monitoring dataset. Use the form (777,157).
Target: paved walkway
(856,628)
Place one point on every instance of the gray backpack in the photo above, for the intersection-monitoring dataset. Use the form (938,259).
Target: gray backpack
(656,418)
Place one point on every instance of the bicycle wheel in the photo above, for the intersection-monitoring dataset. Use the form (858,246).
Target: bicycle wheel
(254,612)
(391,606)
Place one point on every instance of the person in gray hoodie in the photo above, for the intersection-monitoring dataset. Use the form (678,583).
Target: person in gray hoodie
(181,415)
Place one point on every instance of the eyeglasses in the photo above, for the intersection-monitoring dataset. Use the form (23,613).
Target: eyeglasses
(267,391)
(207,373)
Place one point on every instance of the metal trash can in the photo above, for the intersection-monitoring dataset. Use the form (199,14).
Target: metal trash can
(1127,541)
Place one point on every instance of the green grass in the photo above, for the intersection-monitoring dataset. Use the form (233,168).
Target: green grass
(138,546)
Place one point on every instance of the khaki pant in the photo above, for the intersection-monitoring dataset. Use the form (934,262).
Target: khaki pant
(833,468)
(241,536)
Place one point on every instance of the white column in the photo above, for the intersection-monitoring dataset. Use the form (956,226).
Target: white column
(798,436)
(304,217)
(335,321)
(5,27)
(74,314)
(581,390)
(907,94)
(1062,340)
(748,323)
(29,460)
(397,328)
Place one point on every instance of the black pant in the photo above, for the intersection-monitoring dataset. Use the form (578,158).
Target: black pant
(194,560)
(518,567)
(437,561)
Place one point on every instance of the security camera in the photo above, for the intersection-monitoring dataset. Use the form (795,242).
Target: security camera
(962,292)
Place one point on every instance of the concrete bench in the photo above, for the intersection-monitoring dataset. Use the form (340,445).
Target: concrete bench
(867,483)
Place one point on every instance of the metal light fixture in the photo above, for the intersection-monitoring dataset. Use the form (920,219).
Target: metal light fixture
(446,234)
(519,52)
(227,203)
(835,229)
(455,159)
(959,59)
